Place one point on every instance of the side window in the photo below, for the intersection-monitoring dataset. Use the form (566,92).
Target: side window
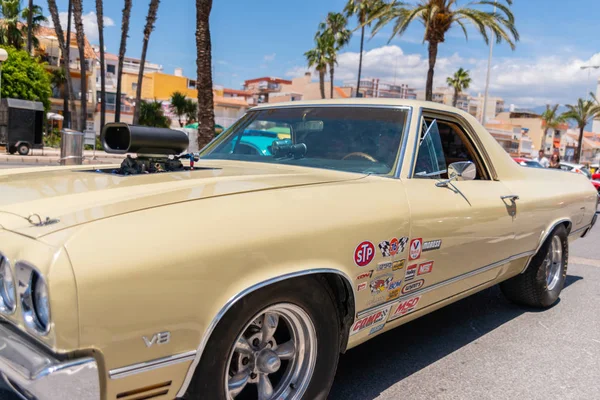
(450,144)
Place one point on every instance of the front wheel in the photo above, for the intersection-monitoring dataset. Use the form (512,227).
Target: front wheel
(281,342)
(545,277)
(23,149)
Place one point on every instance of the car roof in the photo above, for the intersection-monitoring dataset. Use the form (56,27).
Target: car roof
(572,164)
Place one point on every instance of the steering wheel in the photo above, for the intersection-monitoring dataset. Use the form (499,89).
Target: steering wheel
(360,154)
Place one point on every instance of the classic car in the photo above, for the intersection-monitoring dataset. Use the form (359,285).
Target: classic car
(246,275)
(526,162)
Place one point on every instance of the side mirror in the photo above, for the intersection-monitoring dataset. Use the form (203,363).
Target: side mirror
(459,171)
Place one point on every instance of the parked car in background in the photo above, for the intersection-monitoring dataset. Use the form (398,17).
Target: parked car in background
(246,277)
(577,168)
(596,177)
(526,162)
(596,184)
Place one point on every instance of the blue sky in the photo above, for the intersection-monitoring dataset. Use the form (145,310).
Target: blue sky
(268,38)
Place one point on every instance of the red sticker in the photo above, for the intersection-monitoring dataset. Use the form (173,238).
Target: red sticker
(425,268)
(394,246)
(364,253)
(416,245)
(361,286)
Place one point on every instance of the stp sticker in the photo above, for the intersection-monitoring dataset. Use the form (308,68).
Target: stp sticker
(361,286)
(385,248)
(364,253)
(399,264)
(425,268)
(404,307)
(381,283)
(411,287)
(416,246)
(374,318)
(384,265)
(376,329)
(364,275)
(411,272)
(432,245)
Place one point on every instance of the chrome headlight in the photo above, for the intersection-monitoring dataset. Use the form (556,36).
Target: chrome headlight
(7,287)
(34,298)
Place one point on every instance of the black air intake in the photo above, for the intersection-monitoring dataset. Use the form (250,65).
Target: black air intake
(120,138)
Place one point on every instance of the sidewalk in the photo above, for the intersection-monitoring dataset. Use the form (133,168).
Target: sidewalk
(51,156)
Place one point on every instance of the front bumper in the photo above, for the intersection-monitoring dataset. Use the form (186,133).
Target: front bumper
(35,374)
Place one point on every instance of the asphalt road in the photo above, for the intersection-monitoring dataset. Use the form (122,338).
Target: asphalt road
(484,347)
(9,166)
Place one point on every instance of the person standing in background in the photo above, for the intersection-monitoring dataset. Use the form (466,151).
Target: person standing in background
(541,158)
(554,161)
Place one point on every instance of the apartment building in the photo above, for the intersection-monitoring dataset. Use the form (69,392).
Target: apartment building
(49,52)
(536,127)
(374,87)
(510,137)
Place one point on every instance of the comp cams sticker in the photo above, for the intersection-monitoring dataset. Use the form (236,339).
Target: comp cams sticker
(374,318)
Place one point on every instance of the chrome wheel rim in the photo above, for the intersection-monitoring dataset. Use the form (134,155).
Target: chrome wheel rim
(554,263)
(274,357)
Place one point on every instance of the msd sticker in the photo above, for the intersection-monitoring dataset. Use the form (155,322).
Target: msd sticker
(404,307)
(411,287)
(411,272)
(416,246)
(425,268)
(374,318)
(364,253)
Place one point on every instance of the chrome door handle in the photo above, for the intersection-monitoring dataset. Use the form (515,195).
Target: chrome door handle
(511,197)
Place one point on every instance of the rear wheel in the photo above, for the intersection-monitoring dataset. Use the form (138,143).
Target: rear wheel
(281,342)
(23,149)
(12,149)
(541,284)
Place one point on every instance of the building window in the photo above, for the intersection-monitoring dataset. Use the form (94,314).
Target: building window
(191,84)
(134,86)
(111,69)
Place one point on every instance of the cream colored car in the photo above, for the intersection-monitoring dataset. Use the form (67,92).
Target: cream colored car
(246,276)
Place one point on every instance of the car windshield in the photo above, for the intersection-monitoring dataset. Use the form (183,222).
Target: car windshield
(532,164)
(353,139)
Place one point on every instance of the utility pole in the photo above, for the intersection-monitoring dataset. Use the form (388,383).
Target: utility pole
(67,60)
(589,70)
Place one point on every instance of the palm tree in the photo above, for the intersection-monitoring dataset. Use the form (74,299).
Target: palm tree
(58,78)
(100,15)
(461,80)
(438,16)
(10,32)
(581,114)
(122,50)
(319,58)
(335,25)
(64,46)
(78,18)
(365,10)
(191,111)
(151,114)
(179,106)
(150,21)
(552,119)
(37,20)
(206,113)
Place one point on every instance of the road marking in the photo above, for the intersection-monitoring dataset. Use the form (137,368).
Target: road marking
(584,261)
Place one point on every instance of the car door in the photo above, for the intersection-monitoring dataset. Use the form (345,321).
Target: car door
(459,231)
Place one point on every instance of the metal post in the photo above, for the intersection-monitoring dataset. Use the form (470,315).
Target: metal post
(487,79)
(0,81)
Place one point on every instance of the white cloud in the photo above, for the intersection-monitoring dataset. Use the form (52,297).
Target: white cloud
(525,82)
(270,57)
(90,24)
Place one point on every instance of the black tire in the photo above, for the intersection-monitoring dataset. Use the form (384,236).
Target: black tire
(12,149)
(531,288)
(23,149)
(310,294)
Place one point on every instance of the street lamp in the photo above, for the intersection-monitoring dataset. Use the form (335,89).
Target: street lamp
(3,57)
(589,69)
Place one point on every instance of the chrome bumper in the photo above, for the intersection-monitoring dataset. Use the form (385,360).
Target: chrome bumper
(34,374)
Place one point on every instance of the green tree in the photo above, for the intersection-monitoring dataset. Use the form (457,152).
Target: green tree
(23,77)
(150,21)
(58,79)
(151,114)
(461,80)
(319,58)
(10,31)
(179,106)
(204,82)
(365,11)
(122,51)
(581,113)
(191,111)
(439,16)
(552,119)
(335,25)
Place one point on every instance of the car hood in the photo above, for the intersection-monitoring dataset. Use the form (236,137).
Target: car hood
(75,196)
